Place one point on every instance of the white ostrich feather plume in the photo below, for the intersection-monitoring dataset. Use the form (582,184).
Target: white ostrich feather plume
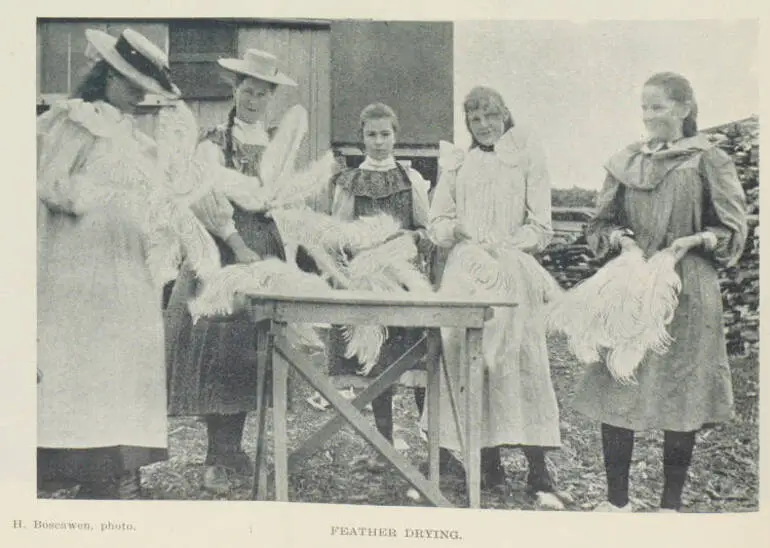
(222,293)
(279,156)
(313,229)
(297,188)
(364,342)
(388,268)
(624,308)
(503,274)
(498,272)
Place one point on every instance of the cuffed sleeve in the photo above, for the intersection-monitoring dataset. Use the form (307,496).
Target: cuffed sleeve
(610,217)
(725,208)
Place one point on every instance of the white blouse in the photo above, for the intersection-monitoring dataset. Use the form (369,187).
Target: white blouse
(501,197)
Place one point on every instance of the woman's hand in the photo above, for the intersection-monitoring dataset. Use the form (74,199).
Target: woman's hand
(246,255)
(623,240)
(681,246)
(461,233)
(627,244)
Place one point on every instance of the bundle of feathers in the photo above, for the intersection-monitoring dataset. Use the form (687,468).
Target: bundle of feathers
(224,293)
(360,255)
(624,308)
(497,272)
(386,268)
(501,274)
(330,240)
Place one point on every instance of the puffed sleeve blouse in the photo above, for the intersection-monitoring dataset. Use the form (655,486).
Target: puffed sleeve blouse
(501,197)
(688,187)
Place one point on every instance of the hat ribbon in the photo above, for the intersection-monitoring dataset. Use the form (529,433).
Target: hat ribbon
(162,75)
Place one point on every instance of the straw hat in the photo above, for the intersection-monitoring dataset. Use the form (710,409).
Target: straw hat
(257,64)
(136,58)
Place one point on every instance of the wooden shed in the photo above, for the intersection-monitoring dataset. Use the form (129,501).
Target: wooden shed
(193,46)
(340,66)
(407,65)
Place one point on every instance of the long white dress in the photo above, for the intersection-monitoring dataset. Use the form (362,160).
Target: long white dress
(109,235)
(502,198)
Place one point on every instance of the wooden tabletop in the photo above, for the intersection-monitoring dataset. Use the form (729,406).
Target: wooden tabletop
(370,298)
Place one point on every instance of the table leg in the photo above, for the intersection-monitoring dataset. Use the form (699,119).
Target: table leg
(264,357)
(280,377)
(361,425)
(474,389)
(433,363)
(385,380)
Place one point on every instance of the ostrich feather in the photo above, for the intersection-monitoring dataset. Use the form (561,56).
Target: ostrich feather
(313,229)
(279,156)
(222,294)
(169,220)
(387,268)
(297,188)
(270,275)
(624,308)
(499,272)
(367,232)
(365,343)
(503,274)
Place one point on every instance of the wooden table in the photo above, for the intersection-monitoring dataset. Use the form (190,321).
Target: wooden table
(270,312)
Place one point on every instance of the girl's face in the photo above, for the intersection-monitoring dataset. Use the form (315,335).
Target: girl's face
(379,138)
(122,93)
(487,125)
(662,116)
(252,97)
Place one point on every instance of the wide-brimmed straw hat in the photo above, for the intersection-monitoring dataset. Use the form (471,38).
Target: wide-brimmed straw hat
(258,64)
(136,58)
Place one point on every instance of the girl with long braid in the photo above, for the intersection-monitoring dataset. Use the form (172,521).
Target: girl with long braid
(212,364)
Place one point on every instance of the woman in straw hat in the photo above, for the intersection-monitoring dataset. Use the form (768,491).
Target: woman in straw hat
(212,364)
(108,220)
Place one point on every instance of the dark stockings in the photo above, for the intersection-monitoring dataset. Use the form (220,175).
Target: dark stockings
(618,446)
(382,407)
(225,433)
(677,455)
(538,478)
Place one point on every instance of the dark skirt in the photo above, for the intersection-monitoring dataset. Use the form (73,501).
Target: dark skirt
(93,465)
(212,365)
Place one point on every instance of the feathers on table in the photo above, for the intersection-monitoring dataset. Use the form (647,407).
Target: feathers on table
(622,311)
(389,268)
(222,294)
(328,239)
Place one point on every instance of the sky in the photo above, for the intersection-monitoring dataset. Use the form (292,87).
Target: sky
(578,84)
